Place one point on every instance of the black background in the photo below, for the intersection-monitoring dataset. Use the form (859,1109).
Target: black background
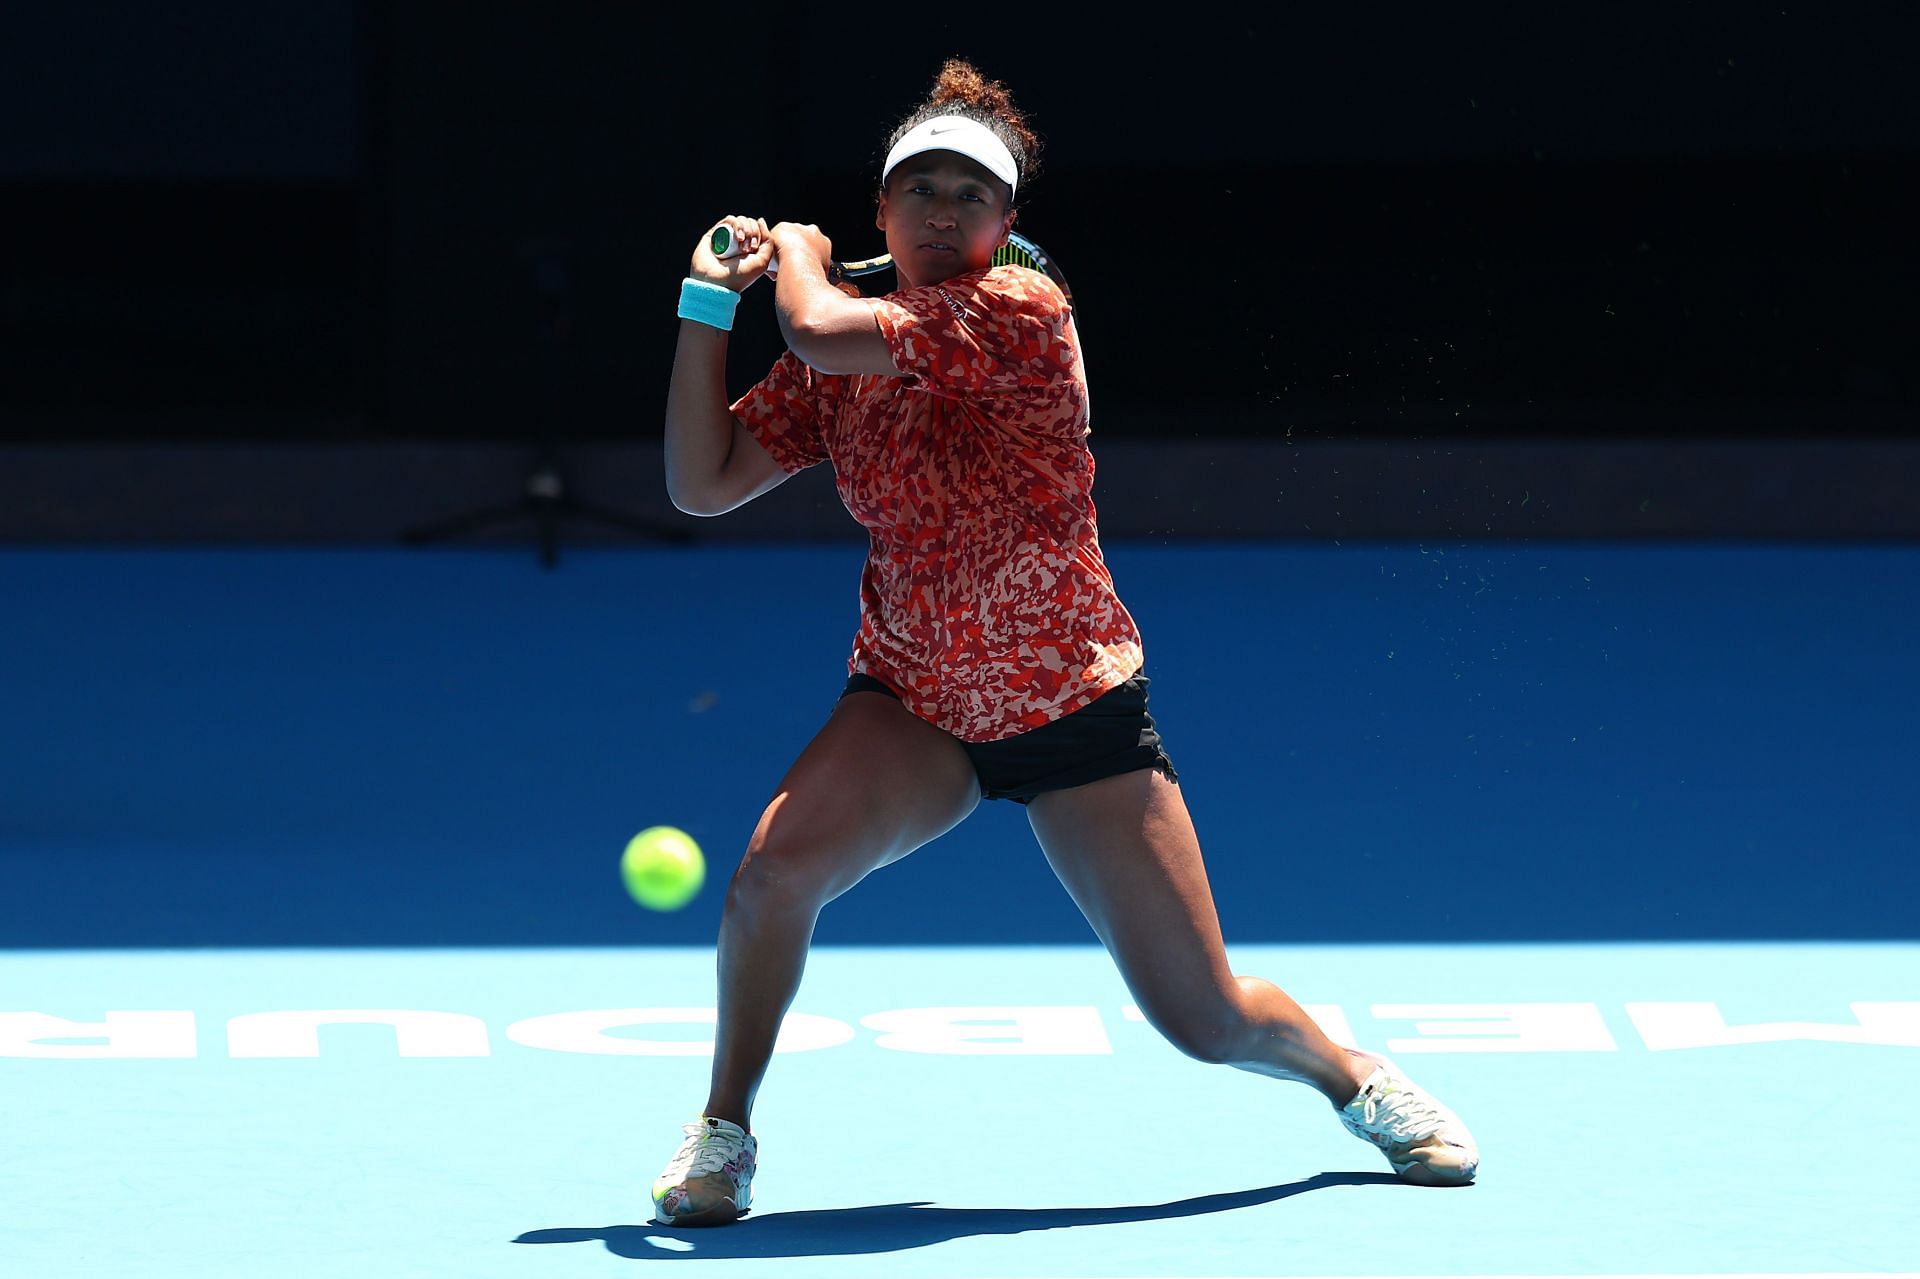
(337,220)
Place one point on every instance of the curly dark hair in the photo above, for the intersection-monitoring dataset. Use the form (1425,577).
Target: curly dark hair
(960,89)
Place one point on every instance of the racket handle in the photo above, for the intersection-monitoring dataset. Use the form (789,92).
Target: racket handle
(724,246)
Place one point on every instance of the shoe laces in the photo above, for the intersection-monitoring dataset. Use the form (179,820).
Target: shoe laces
(706,1150)
(1401,1113)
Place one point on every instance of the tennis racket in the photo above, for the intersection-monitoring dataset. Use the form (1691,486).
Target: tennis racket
(1017,251)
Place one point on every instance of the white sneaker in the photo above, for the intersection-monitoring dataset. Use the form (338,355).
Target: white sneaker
(1424,1141)
(710,1180)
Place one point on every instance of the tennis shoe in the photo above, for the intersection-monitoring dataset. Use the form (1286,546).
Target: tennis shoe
(1424,1141)
(709,1181)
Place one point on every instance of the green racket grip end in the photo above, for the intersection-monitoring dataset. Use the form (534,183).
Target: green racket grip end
(721,242)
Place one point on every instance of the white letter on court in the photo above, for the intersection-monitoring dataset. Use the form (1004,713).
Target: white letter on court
(1508,1028)
(1065,1030)
(1700,1025)
(297,1034)
(586,1032)
(146,1034)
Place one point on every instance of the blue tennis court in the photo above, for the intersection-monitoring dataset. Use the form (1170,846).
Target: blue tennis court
(314,958)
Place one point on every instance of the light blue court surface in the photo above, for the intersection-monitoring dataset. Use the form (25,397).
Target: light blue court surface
(314,960)
(1651,1109)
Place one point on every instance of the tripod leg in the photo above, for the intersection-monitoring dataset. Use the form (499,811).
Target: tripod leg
(468,523)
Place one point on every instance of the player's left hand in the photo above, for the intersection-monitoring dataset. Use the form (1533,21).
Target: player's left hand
(741,270)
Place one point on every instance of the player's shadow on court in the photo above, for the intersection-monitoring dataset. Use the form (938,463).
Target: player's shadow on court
(895,1227)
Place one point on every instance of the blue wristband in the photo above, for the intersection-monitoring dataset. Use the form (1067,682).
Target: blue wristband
(711,304)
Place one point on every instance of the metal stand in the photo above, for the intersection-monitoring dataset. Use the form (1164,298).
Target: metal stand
(545,501)
(546,504)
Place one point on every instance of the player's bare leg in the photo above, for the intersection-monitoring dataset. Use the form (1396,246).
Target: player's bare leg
(874,784)
(1125,849)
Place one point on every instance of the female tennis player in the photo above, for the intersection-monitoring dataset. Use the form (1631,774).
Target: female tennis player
(993,658)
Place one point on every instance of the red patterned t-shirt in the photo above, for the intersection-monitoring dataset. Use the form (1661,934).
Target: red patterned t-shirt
(985,602)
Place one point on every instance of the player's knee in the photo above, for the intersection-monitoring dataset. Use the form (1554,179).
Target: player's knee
(772,878)
(784,873)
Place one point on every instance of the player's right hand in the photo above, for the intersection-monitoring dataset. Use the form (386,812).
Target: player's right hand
(736,273)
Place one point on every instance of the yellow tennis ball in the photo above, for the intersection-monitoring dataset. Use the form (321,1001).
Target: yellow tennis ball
(663,868)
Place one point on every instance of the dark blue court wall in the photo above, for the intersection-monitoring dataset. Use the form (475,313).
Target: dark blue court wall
(1378,742)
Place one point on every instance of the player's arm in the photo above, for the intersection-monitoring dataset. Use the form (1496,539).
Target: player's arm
(831,332)
(713,463)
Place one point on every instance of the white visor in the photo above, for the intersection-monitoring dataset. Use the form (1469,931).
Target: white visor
(956,133)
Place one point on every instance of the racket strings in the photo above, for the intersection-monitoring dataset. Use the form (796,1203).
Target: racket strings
(1011,254)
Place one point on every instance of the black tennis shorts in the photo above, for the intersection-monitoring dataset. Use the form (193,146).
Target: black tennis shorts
(1110,735)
